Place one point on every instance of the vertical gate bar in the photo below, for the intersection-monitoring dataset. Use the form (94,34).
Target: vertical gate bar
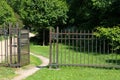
(88,46)
(28,43)
(100,52)
(116,60)
(7,49)
(19,46)
(108,50)
(57,47)
(4,57)
(104,50)
(10,34)
(92,47)
(77,47)
(1,52)
(61,46)
(69,46)
(80,48)
(73,46)
(84,45)
(53,52)
(5,44)
(96,50)
(50,42)
(112,53)
(65,47)
(14,54)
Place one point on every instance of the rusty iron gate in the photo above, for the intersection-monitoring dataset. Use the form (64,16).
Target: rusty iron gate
(81,48)
(14,46)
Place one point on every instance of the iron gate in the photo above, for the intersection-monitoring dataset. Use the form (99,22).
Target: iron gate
(14,46)
(81,48)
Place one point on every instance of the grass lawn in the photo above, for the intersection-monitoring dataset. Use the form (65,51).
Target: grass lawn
(6,73)
(40,50)
(71,73)
(34,60)
(76,73)
(67,55)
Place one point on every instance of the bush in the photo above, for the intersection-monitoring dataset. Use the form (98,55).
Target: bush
(111,34)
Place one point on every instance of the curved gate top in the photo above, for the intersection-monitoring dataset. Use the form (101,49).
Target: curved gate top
(14,47)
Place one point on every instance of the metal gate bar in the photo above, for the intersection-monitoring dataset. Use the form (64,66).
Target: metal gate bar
(12,49)
(81,48)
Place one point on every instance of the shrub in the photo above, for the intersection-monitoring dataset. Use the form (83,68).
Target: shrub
(111,34)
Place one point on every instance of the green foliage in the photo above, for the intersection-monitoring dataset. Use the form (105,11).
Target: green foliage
(41,13)
(6,12)
(87,14)
(102,3)
(111,34)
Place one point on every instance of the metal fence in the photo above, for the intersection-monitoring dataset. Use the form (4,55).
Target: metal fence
(81,48)
(14,46)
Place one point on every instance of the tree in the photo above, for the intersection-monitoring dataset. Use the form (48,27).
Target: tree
(41,13)
(6,13)
(87,14)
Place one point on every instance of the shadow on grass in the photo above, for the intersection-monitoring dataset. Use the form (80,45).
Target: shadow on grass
(113,61)
(43,66)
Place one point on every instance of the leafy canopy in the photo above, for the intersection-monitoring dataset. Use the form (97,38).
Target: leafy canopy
(42,13)
(6,12)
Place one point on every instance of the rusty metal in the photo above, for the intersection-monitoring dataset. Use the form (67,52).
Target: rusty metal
(11,48)
(81,48)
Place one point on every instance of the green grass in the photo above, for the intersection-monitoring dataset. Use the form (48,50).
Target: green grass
(75,73)
(7,73)
(72,73)
(67,55)
(40,50)
(34,60)
(70,56)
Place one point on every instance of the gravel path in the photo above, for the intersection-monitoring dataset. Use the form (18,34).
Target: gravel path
(22,74)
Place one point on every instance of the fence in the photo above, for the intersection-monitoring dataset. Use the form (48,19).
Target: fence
(81,48)
(14,46)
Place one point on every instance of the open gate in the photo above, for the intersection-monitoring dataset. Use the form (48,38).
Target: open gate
(14,46)
(81,48)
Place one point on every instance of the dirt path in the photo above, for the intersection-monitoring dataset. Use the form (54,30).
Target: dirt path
(22,73)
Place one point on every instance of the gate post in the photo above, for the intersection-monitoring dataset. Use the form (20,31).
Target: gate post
(50,43)
(10,34)
(18,43)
